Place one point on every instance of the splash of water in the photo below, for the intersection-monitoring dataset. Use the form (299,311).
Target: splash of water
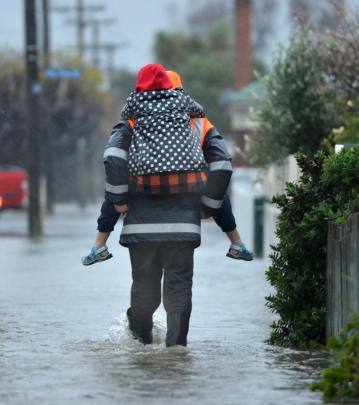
(120,334)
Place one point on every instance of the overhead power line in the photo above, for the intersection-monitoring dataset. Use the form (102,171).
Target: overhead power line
(80,21)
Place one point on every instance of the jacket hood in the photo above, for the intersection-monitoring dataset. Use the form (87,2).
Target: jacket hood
(175,79)
(152,77)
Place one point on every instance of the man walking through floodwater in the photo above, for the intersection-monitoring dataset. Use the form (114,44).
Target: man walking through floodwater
(162,226)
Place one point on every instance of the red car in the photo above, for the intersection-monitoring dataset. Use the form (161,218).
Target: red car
(13,187)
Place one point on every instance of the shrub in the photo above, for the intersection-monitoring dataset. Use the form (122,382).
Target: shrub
(342,378)
(348,132)
(327,191)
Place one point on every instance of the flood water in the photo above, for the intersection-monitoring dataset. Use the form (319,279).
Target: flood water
(64,337)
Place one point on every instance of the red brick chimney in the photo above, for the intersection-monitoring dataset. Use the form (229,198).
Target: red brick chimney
(243,47)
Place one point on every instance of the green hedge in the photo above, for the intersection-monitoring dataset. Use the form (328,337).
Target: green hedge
(341,380)
(327,191)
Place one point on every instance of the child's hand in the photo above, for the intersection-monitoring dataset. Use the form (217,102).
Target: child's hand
(121,209)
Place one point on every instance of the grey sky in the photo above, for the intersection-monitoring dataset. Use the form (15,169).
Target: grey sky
(138,20)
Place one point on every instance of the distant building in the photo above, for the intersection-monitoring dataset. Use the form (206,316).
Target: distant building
(241,105)
(241,99)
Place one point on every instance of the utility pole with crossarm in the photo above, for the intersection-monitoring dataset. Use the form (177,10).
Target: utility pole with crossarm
(80,20)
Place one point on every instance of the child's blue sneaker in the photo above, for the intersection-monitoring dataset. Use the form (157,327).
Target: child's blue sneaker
(240,252)
(96,255)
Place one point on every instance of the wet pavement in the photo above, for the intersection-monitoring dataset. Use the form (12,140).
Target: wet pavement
(64,337)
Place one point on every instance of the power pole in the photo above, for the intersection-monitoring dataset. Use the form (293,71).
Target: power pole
(95,43)
(46,33)
(80,27)
(32,119)
(95,47)
(80,20)
(110,56)
(47,129)
(109,49)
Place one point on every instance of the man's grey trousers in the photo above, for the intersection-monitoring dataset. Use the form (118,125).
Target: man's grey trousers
(173,260)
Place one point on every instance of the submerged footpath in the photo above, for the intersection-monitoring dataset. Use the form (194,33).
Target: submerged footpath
(64,337)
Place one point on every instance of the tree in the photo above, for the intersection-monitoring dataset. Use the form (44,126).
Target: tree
(264,13)
(75,108)
(122,83)
(320,14)
(340,54)
(80,114)
(300,107)
(205,65)
(205,14)
(12,113)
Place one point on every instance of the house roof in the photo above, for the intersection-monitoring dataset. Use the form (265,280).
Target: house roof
(248,94)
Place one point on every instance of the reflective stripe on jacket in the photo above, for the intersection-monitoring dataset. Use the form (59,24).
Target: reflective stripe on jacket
(218,161)
(116,164)
(162,218)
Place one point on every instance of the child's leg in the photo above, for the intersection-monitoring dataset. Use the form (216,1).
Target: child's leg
(106,223)
(234,237)
(101,239)
(226,221)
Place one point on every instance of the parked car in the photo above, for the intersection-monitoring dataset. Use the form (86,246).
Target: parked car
(13,187)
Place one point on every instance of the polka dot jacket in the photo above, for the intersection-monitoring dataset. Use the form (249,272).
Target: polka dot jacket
(163,141)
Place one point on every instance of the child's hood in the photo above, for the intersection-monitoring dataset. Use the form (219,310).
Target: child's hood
(156,102)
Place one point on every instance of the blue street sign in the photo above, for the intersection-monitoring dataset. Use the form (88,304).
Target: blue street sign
(54,73)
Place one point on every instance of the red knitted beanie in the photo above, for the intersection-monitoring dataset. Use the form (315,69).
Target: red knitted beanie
(152,77)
